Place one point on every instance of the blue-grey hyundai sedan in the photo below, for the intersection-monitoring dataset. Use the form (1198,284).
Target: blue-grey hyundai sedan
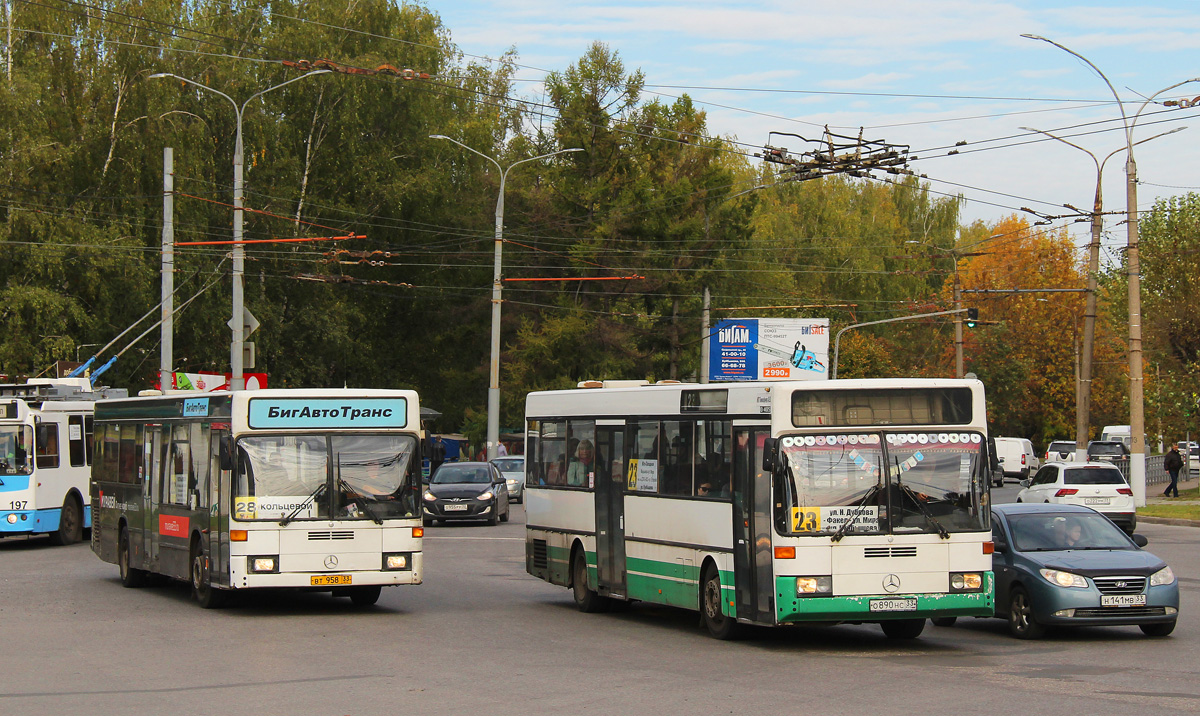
(1068,565)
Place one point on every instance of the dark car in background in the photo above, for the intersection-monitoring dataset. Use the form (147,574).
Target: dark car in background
(1066,565)
(465,491)
(1107,450)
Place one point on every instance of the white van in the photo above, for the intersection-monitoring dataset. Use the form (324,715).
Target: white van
(1017,457)
(1117,433)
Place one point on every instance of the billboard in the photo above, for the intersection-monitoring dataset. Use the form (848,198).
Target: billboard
(769,349)
(214,381)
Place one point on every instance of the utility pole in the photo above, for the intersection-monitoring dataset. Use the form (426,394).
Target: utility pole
(705,327)
(167,307)
(958,332)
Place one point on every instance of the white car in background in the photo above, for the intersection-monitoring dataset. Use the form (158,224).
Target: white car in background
(1017,457)
(513,469)
(1098,485)
(1060,451)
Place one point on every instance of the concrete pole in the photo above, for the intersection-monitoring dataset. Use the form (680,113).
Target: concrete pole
(1083,392)
(167,307)
(237,381)
(705,327)
(493,422)
(958,328)
(1137,418)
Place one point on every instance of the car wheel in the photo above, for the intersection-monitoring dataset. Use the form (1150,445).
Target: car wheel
(586,599)
(495,518)
(944,621)
(903,628)
(504,517)
(719,625)
(130,577)
(1157,629)
(1021,622)
(70,523)
(365,596)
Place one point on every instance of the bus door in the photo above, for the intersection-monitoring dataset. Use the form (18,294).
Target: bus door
(151,481)
(610,510)
(218,509)
(752,528)
(177,509)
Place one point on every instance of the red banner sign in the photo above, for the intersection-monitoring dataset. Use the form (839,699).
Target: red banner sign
(173,526)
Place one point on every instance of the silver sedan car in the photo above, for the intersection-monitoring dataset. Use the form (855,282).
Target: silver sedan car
(513,469)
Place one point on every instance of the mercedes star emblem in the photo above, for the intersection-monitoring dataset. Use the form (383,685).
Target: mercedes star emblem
(891,583)
(331,563)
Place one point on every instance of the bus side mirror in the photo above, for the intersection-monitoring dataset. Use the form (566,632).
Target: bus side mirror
(770,454)
(226,452)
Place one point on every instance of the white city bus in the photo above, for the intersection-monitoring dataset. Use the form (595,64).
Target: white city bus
(313,489)
(765,503)
(45,457)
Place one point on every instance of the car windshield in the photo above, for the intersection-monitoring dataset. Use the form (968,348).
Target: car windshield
(1105,449)
(936,482)
(16,445)
(289,475)
(1093,476)
(1054,531)
(510,464)
(451,474)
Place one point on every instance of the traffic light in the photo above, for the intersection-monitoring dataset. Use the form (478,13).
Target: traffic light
(972,316)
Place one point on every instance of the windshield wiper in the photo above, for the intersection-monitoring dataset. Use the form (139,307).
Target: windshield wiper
(312,496)
(942,531)
(358,500)
(841,531)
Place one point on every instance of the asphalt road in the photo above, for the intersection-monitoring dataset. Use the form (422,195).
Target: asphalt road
(482,636)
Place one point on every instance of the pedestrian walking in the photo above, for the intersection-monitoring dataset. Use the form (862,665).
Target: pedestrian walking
(1173,463)
(437,454)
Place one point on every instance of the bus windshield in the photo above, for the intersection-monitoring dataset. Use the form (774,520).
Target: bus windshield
(325,477)
(16,445)
(871,483)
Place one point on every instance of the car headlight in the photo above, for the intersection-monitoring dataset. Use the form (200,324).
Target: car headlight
(263,564)
(397,561)
(512,483)
(814,586)
(430,497)
(486,495)
(1161,577)
(966,581)
(1064,579)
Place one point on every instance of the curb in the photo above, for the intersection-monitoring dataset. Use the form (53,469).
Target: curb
(1177,521)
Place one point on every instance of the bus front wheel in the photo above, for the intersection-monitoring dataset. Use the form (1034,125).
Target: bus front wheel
(130,577)
(207,596)
(903,628)
(70,523)
(365,596)
(719,624)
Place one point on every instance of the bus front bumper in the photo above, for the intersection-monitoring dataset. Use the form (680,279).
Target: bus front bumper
(14,522)
(792,609)
(241,578)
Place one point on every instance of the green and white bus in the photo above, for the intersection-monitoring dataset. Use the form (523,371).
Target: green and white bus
(310,489)
(851,501)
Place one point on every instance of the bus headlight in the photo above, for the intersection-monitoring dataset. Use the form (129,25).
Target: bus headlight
(814,586)
(397,561)
(264,564)
(12,518)
(966,581)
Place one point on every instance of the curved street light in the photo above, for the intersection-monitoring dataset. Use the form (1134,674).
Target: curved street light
(493,415)
(237,322)
(1137,418)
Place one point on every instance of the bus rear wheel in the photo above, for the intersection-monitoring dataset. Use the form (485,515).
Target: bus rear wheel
(365,596)
(903,628)
(720,625)
(70,523)
(130,577)
(207,596)
(586,599)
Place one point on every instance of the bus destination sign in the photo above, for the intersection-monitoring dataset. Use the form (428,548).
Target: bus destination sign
(320,413)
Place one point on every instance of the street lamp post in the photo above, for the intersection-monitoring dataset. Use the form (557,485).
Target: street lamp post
(1137,418)
(493,415)
(237,380)
(1083,385)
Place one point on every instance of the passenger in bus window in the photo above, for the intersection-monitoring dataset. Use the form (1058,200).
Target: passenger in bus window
(581,472)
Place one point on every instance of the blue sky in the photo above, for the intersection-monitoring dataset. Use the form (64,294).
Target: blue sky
(761,66)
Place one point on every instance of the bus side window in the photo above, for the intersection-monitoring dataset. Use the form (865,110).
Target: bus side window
(47,445)
(177,477)
(198,474)
(127,461)
(89,427)
(75,441)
